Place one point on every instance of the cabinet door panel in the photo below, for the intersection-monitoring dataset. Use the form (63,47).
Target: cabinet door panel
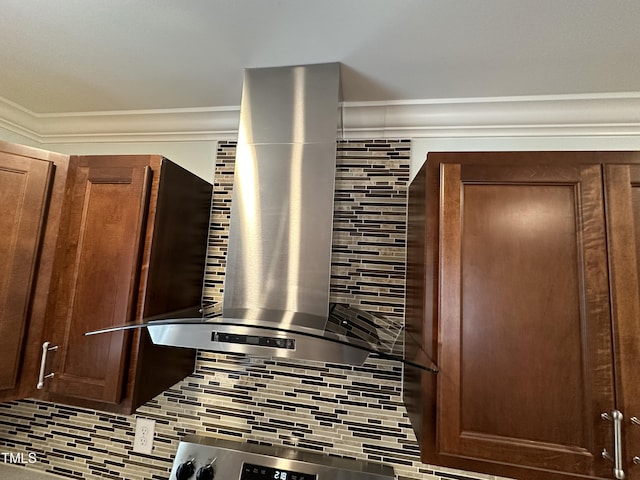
(622,189)
(98,286)
(24,185)
(525,339)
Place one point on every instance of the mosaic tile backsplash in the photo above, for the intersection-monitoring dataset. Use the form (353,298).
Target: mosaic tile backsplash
(355,412)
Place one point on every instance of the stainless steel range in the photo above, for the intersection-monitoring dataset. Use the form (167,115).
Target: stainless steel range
(206,458)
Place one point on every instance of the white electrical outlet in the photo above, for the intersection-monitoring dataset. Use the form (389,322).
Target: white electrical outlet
(143,441)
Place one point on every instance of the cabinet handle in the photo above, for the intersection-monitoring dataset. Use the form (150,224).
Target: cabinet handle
(46,348)
(635,421)
(617,417)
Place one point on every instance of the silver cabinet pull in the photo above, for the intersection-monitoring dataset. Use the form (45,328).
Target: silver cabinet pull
(46,348)
(616,417)
(635,421)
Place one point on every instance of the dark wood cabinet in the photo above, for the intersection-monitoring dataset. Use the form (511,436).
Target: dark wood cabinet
(131,243)
(522,286)
(97,275)
(31,190)
(24,185)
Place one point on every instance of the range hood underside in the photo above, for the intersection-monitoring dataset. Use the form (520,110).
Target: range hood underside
(349,339)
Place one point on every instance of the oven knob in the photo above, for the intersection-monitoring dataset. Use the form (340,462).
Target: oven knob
(205,473)
(185,470)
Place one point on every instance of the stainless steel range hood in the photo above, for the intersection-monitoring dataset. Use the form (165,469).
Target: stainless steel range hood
(279,257)
(276,286)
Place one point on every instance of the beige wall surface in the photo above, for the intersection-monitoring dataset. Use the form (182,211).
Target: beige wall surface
(197,157)
(9,136)
(421,146)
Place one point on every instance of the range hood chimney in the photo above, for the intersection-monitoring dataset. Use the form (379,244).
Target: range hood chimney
(279,258)
(276,287)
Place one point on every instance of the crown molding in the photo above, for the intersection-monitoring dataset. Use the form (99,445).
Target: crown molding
(554,115)
(550,115)
(18,120)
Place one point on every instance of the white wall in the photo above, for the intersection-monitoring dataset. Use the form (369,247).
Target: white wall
(197,157)
(9,136)
(421,146)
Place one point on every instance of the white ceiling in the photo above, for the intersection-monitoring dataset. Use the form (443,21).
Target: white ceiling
(105,55)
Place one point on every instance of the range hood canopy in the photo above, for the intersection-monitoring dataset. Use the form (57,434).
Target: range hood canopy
(276,286)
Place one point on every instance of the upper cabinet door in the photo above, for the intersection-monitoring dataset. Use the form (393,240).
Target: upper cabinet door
(101,240)
(525,330)
(24,186)
(622,191)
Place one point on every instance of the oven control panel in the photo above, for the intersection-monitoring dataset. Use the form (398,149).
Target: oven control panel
(260,472)
(208,458)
